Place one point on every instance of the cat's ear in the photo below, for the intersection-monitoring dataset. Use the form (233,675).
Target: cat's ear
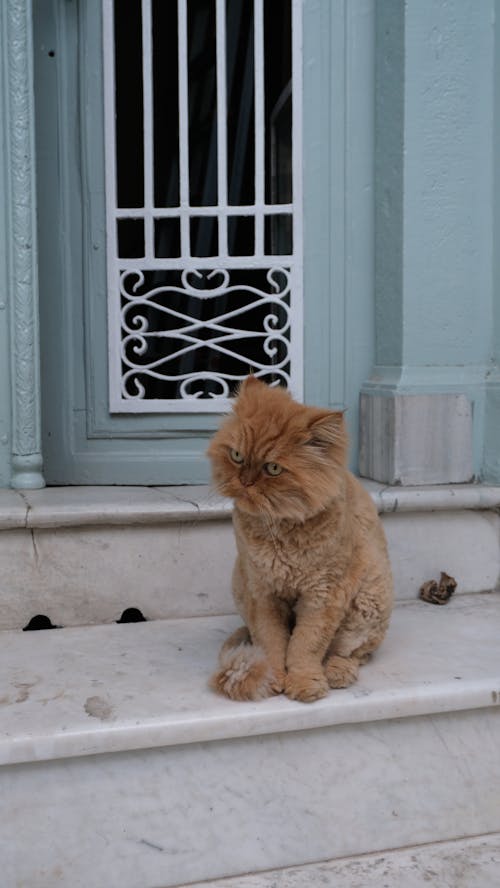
(247,393)
(248,383)
(326,429)
(248,387)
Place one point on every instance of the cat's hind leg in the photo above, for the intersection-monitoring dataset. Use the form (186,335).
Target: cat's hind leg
(244,670)
(360,634)
(349,650)
(341,671)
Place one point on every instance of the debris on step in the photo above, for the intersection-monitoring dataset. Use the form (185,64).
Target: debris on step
(438,593)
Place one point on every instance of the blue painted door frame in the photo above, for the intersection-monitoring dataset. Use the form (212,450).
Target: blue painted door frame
(82,442)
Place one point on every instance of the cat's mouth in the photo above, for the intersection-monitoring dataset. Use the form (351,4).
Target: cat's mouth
(251,500)
(254,502)
(293,507)
(248,496)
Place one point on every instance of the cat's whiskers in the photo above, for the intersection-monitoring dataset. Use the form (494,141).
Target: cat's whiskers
(268,519)
(213,492)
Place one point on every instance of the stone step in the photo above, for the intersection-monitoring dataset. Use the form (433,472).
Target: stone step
(121,769)
(83,555)
(460,864)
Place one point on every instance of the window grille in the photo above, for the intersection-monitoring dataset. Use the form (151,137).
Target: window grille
(203,198)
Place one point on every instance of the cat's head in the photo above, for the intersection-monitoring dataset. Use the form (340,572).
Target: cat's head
(277,457)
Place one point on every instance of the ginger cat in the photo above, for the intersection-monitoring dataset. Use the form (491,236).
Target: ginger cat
(312,579)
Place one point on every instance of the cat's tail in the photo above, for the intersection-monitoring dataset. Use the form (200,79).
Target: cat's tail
(238,637)
(244,672)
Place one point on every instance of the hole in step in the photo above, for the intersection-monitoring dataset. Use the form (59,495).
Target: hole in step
(132,615)
(40,621)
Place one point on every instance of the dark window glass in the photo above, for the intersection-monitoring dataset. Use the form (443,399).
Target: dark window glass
(204,236)
(165,104)
(278,235)
(240,102)
(130,238)
(129,104)
(241,235)
(202,100)
(278,100)
(167,238)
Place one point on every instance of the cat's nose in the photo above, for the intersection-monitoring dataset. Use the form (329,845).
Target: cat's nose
(246,480)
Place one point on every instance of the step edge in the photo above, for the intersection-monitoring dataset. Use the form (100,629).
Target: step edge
(114,506)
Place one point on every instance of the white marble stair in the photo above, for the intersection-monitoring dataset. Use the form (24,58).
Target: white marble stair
(83,555)
(120,768)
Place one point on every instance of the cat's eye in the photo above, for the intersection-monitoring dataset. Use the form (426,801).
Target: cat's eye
(236,456)
(273,469)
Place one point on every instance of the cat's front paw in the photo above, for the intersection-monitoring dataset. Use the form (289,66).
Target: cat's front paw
(306,687)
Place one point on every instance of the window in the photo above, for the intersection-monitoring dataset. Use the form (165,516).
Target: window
(203,200)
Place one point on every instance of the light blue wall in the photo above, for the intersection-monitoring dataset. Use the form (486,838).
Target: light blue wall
(434,200)
(491,466)
(339,70)
(448,194)
(389,181)
(5,424)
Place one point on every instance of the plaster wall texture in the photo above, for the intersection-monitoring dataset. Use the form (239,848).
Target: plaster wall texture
(4,331)
(434,199)
(447,188)
(436,313)
(491,456)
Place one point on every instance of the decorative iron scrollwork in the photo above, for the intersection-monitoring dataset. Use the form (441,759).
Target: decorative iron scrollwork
(203,331)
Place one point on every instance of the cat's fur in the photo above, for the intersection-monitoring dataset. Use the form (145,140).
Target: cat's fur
(312,579)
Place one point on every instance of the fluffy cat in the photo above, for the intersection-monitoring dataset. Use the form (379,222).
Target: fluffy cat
(312,579)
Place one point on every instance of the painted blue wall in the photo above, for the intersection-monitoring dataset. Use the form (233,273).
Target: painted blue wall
(5,407)
(491,463)
(435,295)
(339,132)
(448,195)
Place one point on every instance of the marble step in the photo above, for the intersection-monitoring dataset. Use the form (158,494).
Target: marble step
(119,768)
(462,863)
(83,555)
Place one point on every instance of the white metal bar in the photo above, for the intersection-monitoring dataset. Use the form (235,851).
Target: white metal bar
(179,405)
(221,124)
(297,328)
(259,124)
(206,262)
(183,126)
(147,92)
(173,212)
(114,318)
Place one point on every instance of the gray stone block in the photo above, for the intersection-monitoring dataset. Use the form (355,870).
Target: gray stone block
(416,438)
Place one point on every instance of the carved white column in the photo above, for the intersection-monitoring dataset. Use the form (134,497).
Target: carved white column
(17,51)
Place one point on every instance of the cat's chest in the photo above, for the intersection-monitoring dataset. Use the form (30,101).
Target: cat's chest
(286,558)
(282,563)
